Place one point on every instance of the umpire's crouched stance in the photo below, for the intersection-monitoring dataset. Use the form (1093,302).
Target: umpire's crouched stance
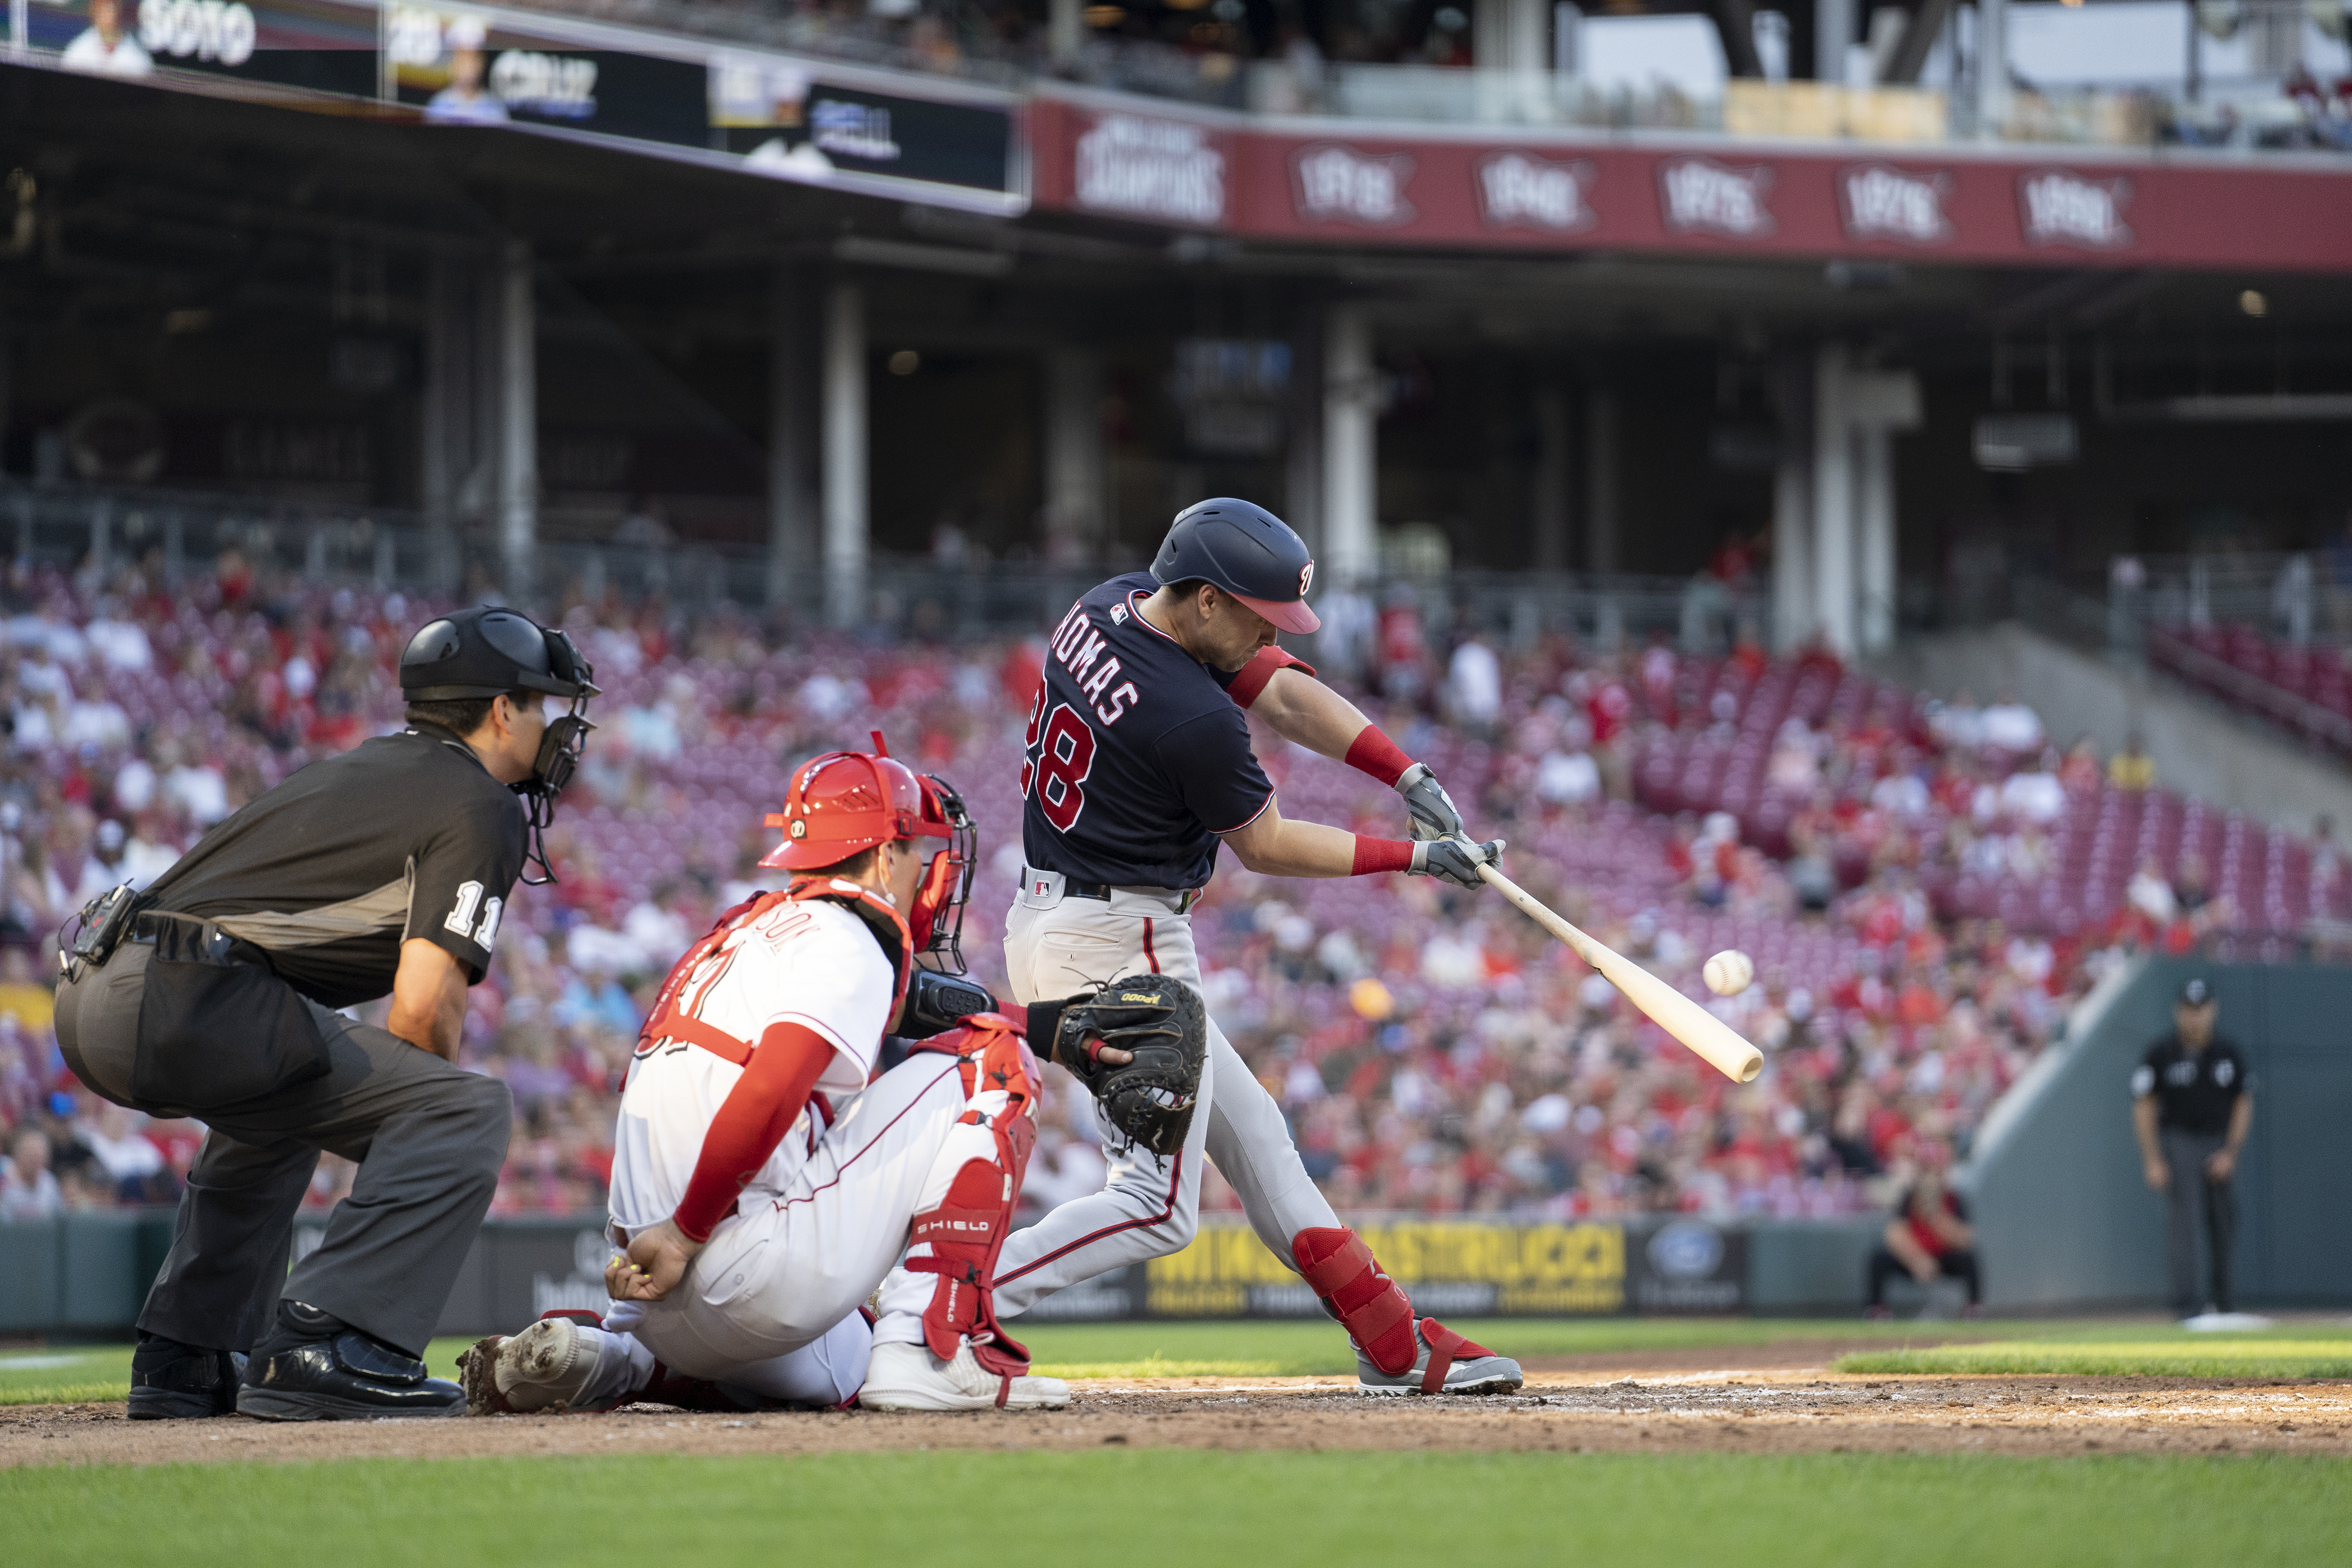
(212,996)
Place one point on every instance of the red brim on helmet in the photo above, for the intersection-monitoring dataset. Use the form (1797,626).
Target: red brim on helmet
(806,854)
(831,814)
(1292,616)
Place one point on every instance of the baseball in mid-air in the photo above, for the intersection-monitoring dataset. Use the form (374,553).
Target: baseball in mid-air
(1729,973)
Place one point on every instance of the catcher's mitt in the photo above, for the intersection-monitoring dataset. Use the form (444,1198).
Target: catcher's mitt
(1160,1020)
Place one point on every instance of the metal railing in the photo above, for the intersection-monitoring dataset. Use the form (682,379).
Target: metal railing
(2152,603)
(97,534)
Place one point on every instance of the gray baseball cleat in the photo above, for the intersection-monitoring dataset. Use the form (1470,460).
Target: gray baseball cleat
(1445,1363)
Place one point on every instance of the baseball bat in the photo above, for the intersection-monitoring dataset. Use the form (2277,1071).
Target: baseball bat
(1715,1041)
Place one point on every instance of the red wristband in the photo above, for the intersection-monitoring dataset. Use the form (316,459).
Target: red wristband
(1373,753)
(1380,854)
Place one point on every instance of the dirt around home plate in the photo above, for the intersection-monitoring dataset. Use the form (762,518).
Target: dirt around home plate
(1645,1410)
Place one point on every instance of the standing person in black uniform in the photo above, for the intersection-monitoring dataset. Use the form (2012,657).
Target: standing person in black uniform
(384,870)
(2191,1106)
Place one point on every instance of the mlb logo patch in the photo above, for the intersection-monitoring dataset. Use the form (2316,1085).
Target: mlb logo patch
(1118,614)
(1039,887)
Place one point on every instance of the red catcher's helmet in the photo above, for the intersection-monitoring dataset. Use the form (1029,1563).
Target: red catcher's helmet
(843,803)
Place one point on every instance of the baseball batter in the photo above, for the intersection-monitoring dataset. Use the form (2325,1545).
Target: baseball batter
(1138,764)
(762,1188)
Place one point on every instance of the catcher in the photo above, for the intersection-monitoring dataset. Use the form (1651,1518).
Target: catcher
(1139,765)
(762,1188)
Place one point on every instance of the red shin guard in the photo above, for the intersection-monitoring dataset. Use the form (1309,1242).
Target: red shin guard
(1369,1305)
(967,1228)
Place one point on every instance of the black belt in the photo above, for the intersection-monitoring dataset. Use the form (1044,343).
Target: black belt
(188,938)
(1074,889)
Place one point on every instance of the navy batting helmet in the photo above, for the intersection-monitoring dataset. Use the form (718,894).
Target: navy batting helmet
(1246,551)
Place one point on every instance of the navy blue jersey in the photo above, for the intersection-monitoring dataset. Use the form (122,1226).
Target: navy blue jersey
(1136,758)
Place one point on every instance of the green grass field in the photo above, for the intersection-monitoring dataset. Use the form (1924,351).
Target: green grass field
(1257,1349)
(2293,1350)
(1178,1507)
(2278,1358)
(1253,1348)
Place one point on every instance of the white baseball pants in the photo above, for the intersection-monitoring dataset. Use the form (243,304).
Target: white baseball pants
(1055,946)
(771,1304)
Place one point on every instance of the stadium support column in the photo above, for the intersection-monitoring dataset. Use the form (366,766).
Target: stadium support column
(1793,507)
(1993,67)
(1302,462)
(1065,32)
(1834,533)
(1554,474)
(517,420)
(791,509)
(1350,454)
(844,455)
(1074,454)
(1833,33)
(1855,414)
(1874,516)
(1511,35)
(1879,404)
(1601,480)
(446,456)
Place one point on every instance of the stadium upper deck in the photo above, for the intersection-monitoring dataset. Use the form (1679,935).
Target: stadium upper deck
(985,282)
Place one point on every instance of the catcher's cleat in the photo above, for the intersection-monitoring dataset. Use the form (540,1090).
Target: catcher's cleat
(909,1377)
(546,1369)
(173,1382)
(478,1375)
(1447,1364)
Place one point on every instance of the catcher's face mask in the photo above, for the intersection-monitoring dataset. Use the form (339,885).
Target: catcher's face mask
(937,918)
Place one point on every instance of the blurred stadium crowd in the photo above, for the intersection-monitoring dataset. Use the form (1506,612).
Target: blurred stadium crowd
(1924,889)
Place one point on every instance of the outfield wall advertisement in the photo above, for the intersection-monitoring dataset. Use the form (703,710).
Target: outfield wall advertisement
(519,1268)
(89,1272)
(783,116)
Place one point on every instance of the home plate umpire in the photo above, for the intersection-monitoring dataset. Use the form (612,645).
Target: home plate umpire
(213,995)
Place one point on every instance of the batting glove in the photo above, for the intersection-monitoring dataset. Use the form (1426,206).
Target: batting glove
(1433,813)
(1455,859)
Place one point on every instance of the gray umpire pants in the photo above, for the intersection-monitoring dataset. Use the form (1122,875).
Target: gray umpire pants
(428,1137)
(2192,1201)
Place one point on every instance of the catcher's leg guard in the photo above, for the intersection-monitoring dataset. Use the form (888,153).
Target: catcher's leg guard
(1369,1305)
(988,1153)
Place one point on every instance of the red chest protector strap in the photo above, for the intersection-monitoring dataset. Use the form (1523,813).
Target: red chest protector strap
(668,1022)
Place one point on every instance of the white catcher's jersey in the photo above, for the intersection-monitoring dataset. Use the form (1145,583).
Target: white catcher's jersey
(810,962)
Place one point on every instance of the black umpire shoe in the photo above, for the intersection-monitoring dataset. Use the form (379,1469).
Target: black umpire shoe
(315,1367)
(173,1382)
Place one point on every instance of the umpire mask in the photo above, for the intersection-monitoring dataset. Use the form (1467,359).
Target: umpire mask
(490,651)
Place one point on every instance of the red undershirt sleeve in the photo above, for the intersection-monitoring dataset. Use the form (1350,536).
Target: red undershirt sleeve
(1249,682)
(761,1109)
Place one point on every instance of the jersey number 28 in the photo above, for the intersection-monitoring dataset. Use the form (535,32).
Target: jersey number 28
(1061,753)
